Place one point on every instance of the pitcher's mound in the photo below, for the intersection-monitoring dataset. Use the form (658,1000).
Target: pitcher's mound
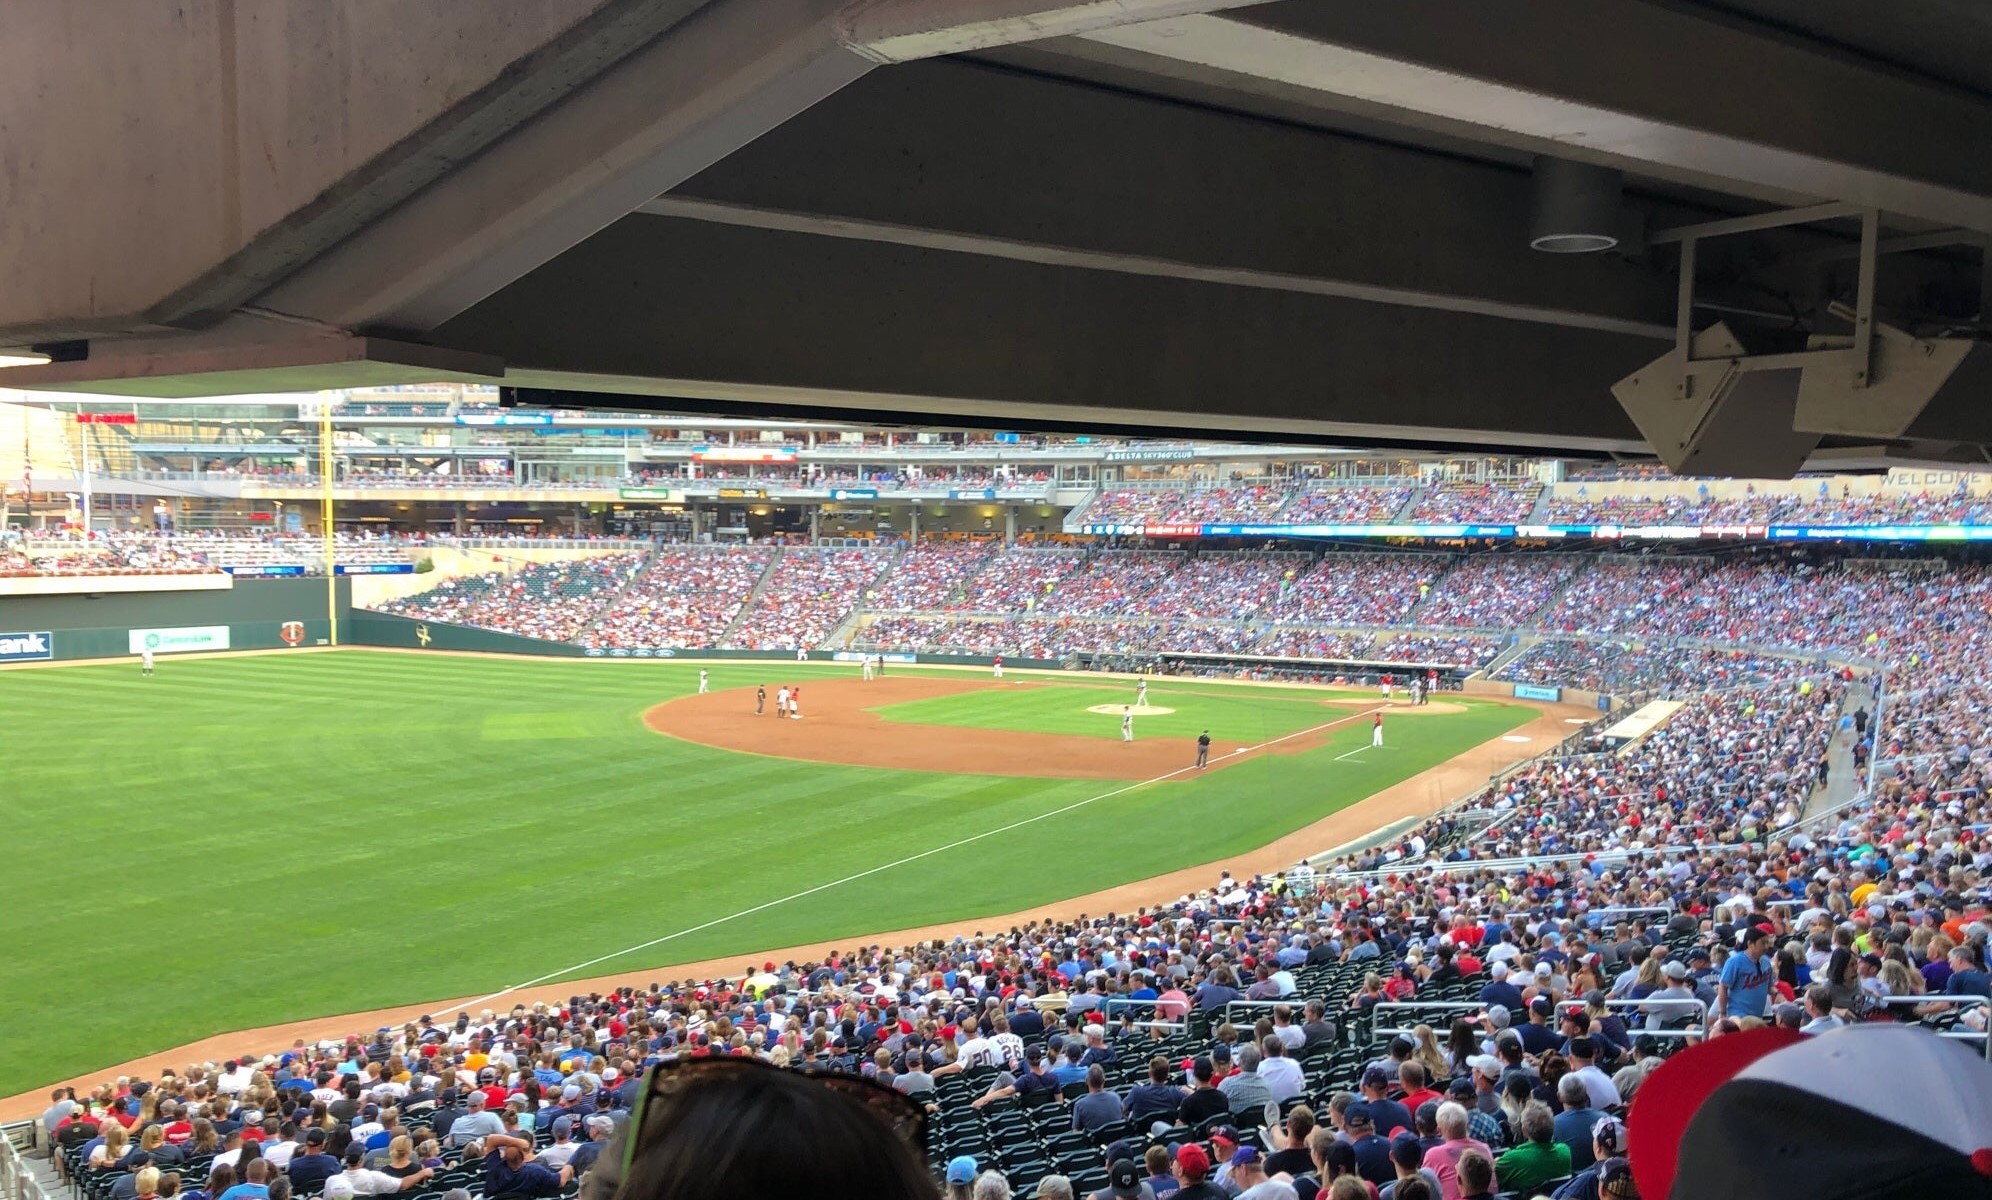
(1140,710)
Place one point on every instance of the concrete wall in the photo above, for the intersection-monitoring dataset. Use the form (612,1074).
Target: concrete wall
(165,137)
(98,626)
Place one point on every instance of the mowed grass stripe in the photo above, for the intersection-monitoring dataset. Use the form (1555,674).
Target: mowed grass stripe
(236,842)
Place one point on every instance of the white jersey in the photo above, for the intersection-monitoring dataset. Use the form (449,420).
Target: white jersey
(145,656)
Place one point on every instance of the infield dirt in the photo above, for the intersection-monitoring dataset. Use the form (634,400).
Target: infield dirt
(838,726)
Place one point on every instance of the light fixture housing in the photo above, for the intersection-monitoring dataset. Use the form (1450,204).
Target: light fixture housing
(1576,207)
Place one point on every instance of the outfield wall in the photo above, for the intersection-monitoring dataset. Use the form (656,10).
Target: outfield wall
(252,616)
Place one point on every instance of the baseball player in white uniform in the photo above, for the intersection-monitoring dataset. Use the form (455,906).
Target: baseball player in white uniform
(145,660)
(702,681)
(1127,723)
(782,701)
(801,653)
(1376,731)
(866,664)
(1141,693)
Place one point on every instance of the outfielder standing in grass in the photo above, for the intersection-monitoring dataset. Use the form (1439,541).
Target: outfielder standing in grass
(1141,693)
(702,681)
(145,660)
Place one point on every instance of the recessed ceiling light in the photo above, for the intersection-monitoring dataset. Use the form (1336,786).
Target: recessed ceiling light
(24,358)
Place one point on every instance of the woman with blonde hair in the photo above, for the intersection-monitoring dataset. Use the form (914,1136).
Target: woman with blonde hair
(779,1056)
(116,1141)
(401,1158)
(1426,1050)
(146,1184)
(149,1141)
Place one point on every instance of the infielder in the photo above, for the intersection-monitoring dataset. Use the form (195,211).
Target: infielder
(795,703)
(1386,689)
(702,681)
(782,701)
(1203,748)
(145,660)
(866,665)
(999,666)
(1376,731)
(1141,693)
(1127,723)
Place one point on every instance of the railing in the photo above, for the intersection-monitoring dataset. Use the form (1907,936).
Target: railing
(1701,1012)
(17,1181)
(1963,1035)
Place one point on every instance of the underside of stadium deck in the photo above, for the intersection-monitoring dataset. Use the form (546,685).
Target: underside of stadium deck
(1326,220)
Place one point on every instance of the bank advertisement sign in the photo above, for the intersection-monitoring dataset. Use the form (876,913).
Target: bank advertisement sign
(26,647)
(180,640)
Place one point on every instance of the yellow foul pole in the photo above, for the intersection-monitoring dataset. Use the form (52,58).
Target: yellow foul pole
(325,515)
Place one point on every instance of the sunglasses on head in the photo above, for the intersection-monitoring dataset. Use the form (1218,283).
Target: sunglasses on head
(905,1115)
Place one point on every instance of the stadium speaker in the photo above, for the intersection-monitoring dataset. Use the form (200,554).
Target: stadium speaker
(1731,422)
(1931,389)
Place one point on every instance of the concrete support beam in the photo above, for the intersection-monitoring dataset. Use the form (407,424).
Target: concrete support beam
(1150,186)
(675,308)
(1662,89)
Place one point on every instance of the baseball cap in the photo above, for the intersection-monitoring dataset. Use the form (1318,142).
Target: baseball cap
(1798,1107)
(1542,1006)
(1616,1181)
(1675,970)
(1225,1133)
(961,1169)
(1243,1155)
(338,1187)
(1124,1178)
(1609,1132)
(563,1126)
(1486,1064)
(1497,1016)
(1195,1163)
(1376,1077)
(1358,1114)
(357,1152)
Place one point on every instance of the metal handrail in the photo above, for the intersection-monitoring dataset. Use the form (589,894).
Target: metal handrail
(1963,1035)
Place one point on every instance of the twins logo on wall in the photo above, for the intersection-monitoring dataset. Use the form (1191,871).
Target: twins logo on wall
(292,632)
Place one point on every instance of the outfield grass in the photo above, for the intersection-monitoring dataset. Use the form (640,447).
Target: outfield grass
(241,841)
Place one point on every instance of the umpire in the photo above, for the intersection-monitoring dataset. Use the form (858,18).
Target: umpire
(760,699)
(1203,748)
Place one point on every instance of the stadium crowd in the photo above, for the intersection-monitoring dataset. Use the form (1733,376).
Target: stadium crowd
(550,601)
(688,596)
(804,596)
(1610,909)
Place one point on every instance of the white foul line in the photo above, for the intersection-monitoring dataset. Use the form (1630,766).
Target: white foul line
(898,862)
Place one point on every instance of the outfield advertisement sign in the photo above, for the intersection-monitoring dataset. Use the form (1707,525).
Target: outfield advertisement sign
(27,647)
(1532,691)
(400,568)
(180,640)
(266,571)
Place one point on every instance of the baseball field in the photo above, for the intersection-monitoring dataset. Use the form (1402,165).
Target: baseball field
(235,842)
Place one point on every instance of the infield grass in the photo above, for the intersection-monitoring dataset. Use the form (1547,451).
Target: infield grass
(242,841)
